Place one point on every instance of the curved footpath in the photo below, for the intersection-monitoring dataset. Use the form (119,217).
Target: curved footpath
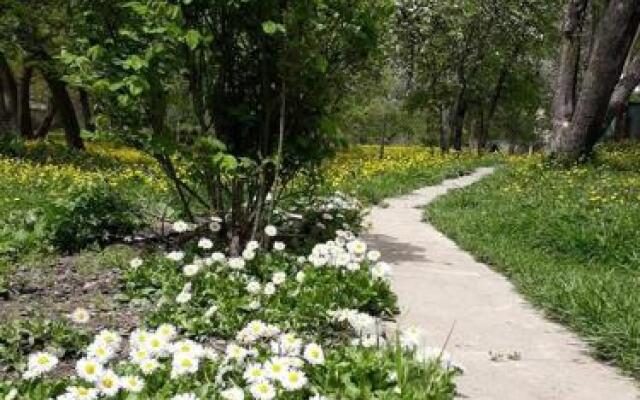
(438,283)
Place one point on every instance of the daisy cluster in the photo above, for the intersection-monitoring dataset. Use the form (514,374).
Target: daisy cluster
(259,361)
(263,361)
(315,220)
(349,253)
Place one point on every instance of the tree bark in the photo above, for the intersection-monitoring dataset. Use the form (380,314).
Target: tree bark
(621,95)
(24,107)
(497,95)
(86,111)
(481,139)
(3,102)
(444,118)
(64,105)
(457,124)
(10,86)
(576,136)
(565,93)
(45,125)
(383,138)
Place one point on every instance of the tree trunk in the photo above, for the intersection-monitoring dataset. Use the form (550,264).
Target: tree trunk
(497,94)
(24,108)
(86,111)
(383,138)
(444,118)
(10,86)
(481,139)
(457,125)
(565,93)
(620,127)
(45,125)
(576,137)
(3,103)
(621,95)
(67,113)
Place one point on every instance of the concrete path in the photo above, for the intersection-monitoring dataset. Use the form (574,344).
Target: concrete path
(437,284)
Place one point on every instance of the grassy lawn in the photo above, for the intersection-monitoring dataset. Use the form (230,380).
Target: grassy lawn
(47,182)
(568,239)
(403,169)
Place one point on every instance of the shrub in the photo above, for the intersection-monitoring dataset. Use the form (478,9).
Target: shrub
(93,215)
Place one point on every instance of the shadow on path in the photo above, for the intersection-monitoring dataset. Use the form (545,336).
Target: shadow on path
(395,251)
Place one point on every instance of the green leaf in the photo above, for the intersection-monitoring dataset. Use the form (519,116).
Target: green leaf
(270,27)
(135,62)
(192,38)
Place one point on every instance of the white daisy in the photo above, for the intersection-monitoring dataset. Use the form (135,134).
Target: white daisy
(109,383)
(132,383)
(89,369)
(81,393)
(135,262)
(175,256)
(236,263)
(185,396)
(183,364)
(313,354)
(234,393)
(180,226)
(254,373)
(279,278)
(263,390)
(80,315)
(149,366)
(217,257)
(248,254)
(269,289)
(270,230)
(167,331)
(205,244)
(100,352)
(253,287)
(293,380)
(40,363)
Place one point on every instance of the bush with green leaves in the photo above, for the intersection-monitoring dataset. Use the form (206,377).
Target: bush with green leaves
(94,214)
(223,299)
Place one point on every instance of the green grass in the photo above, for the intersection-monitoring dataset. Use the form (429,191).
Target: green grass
(568,239)
(44,184)
(362,173)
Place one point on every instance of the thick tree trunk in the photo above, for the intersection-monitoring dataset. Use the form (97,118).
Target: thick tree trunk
(565,92)
(11,87)
(24,107)
(86,111)
(576,137)
(45,125)
(67,113)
